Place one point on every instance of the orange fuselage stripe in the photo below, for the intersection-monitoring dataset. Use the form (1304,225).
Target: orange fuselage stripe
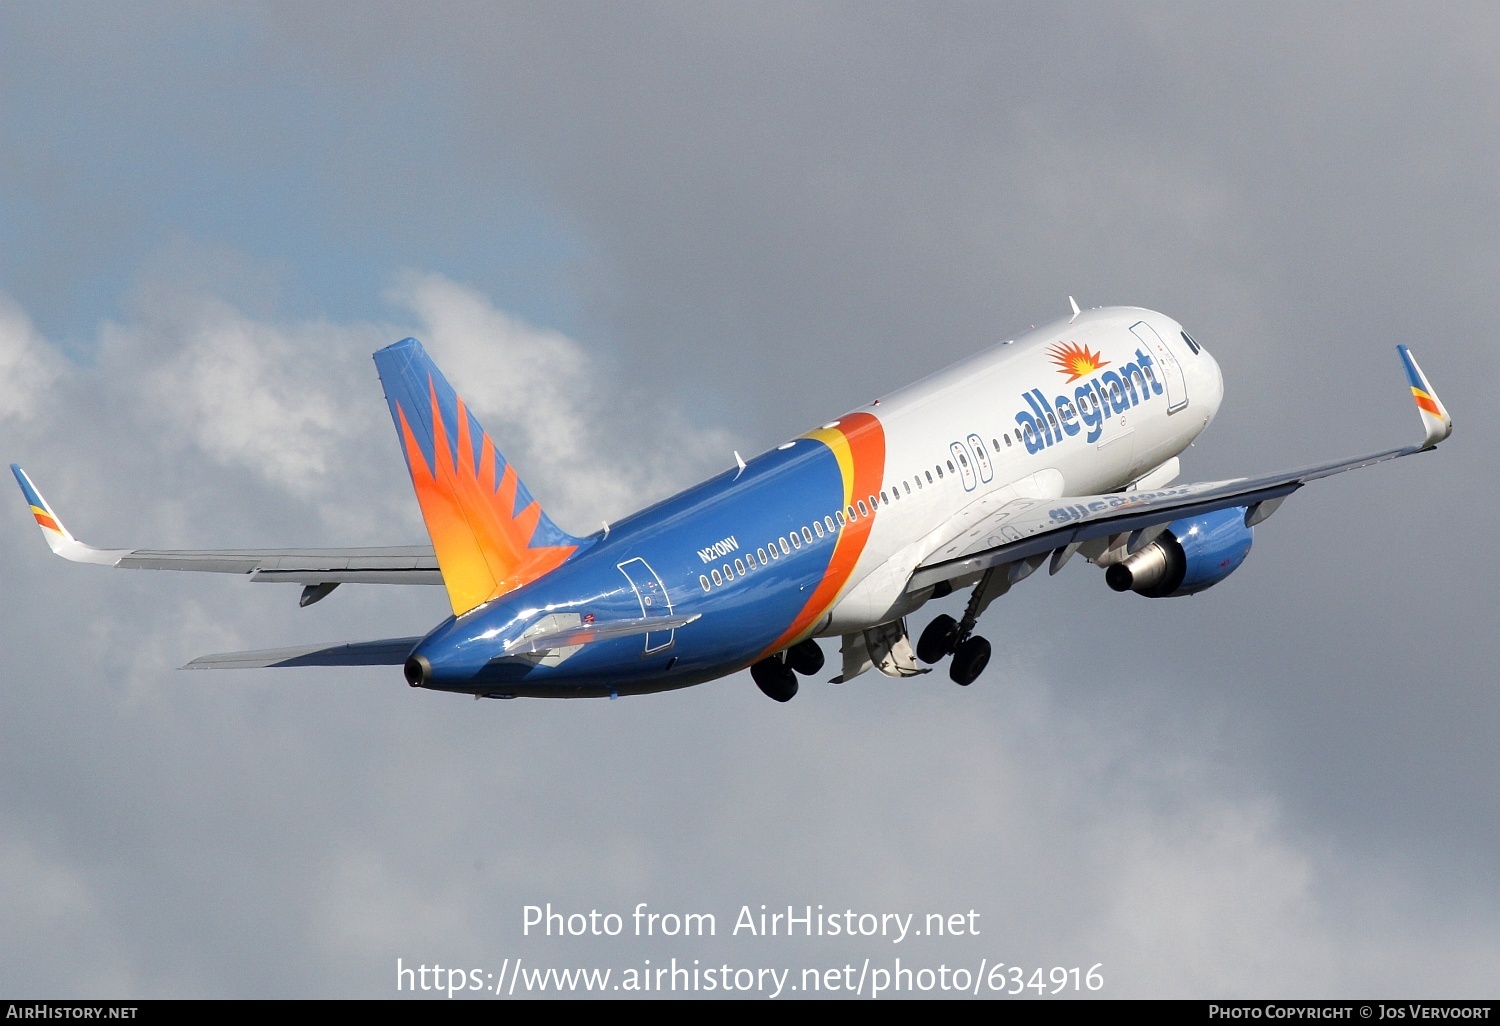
(858,443)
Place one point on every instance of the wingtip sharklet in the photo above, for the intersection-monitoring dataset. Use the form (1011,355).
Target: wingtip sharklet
(1435,419)
(59,539)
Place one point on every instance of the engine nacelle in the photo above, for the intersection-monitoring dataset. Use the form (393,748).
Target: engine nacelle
(1190,556)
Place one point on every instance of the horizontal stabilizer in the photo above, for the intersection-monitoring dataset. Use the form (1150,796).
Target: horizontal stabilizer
(586,633)
(385,652)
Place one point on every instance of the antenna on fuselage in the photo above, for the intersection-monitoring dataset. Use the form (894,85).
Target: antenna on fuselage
(1074,304)
(739,463)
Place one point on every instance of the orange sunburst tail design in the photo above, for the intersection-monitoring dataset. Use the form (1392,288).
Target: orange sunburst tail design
(490,535)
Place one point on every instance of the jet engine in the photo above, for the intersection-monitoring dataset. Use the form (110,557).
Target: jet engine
(1189,556)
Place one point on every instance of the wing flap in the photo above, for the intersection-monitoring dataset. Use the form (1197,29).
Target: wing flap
(406,564)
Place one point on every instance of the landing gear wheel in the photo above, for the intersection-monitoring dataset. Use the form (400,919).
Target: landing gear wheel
(937,639)
(969,661)
(805,657)
(775,679)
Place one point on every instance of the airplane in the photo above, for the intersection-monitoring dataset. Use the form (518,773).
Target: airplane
(1060,441)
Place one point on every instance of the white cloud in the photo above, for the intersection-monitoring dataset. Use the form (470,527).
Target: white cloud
(541,397)
(267,397)
(28,365)
(1078,836)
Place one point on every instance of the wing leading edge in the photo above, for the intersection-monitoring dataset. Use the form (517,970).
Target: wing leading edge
(1023,532)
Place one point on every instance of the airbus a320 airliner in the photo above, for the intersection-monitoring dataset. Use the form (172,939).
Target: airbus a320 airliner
(1062,441)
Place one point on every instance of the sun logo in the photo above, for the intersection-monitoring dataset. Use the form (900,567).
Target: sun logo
(1075,360)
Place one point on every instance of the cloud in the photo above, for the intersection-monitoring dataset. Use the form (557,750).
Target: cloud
(349,821)
(28,365)
(587,446)
(264,397)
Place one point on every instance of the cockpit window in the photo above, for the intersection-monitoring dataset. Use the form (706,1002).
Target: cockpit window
(1190,343)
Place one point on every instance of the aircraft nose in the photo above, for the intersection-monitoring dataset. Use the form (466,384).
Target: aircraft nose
(1215,381)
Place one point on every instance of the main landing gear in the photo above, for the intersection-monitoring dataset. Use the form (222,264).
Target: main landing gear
(947,636)
(776,675)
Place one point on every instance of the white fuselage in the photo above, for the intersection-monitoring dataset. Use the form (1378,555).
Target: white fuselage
(961,442)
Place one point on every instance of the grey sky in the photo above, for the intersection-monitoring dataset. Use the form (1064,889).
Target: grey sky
(638,237)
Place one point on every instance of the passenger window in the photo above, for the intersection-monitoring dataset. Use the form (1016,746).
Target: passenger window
(762,554)
(772,550)
(728,573)
(703,581)
(907,486)
(962,459)
(995,444)
(883,500)
(950,467)
(829,521)
(717,578)
(807,536)
(1007,440)
(784,550)
(852,515)
(940,472)
(796,541)
(739,567)
(929,476)
(839,516)
(818,528)
(895,491)
(862,510)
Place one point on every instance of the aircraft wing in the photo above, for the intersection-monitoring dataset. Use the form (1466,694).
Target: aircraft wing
(385,652)
(1022,533)
(325,568)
